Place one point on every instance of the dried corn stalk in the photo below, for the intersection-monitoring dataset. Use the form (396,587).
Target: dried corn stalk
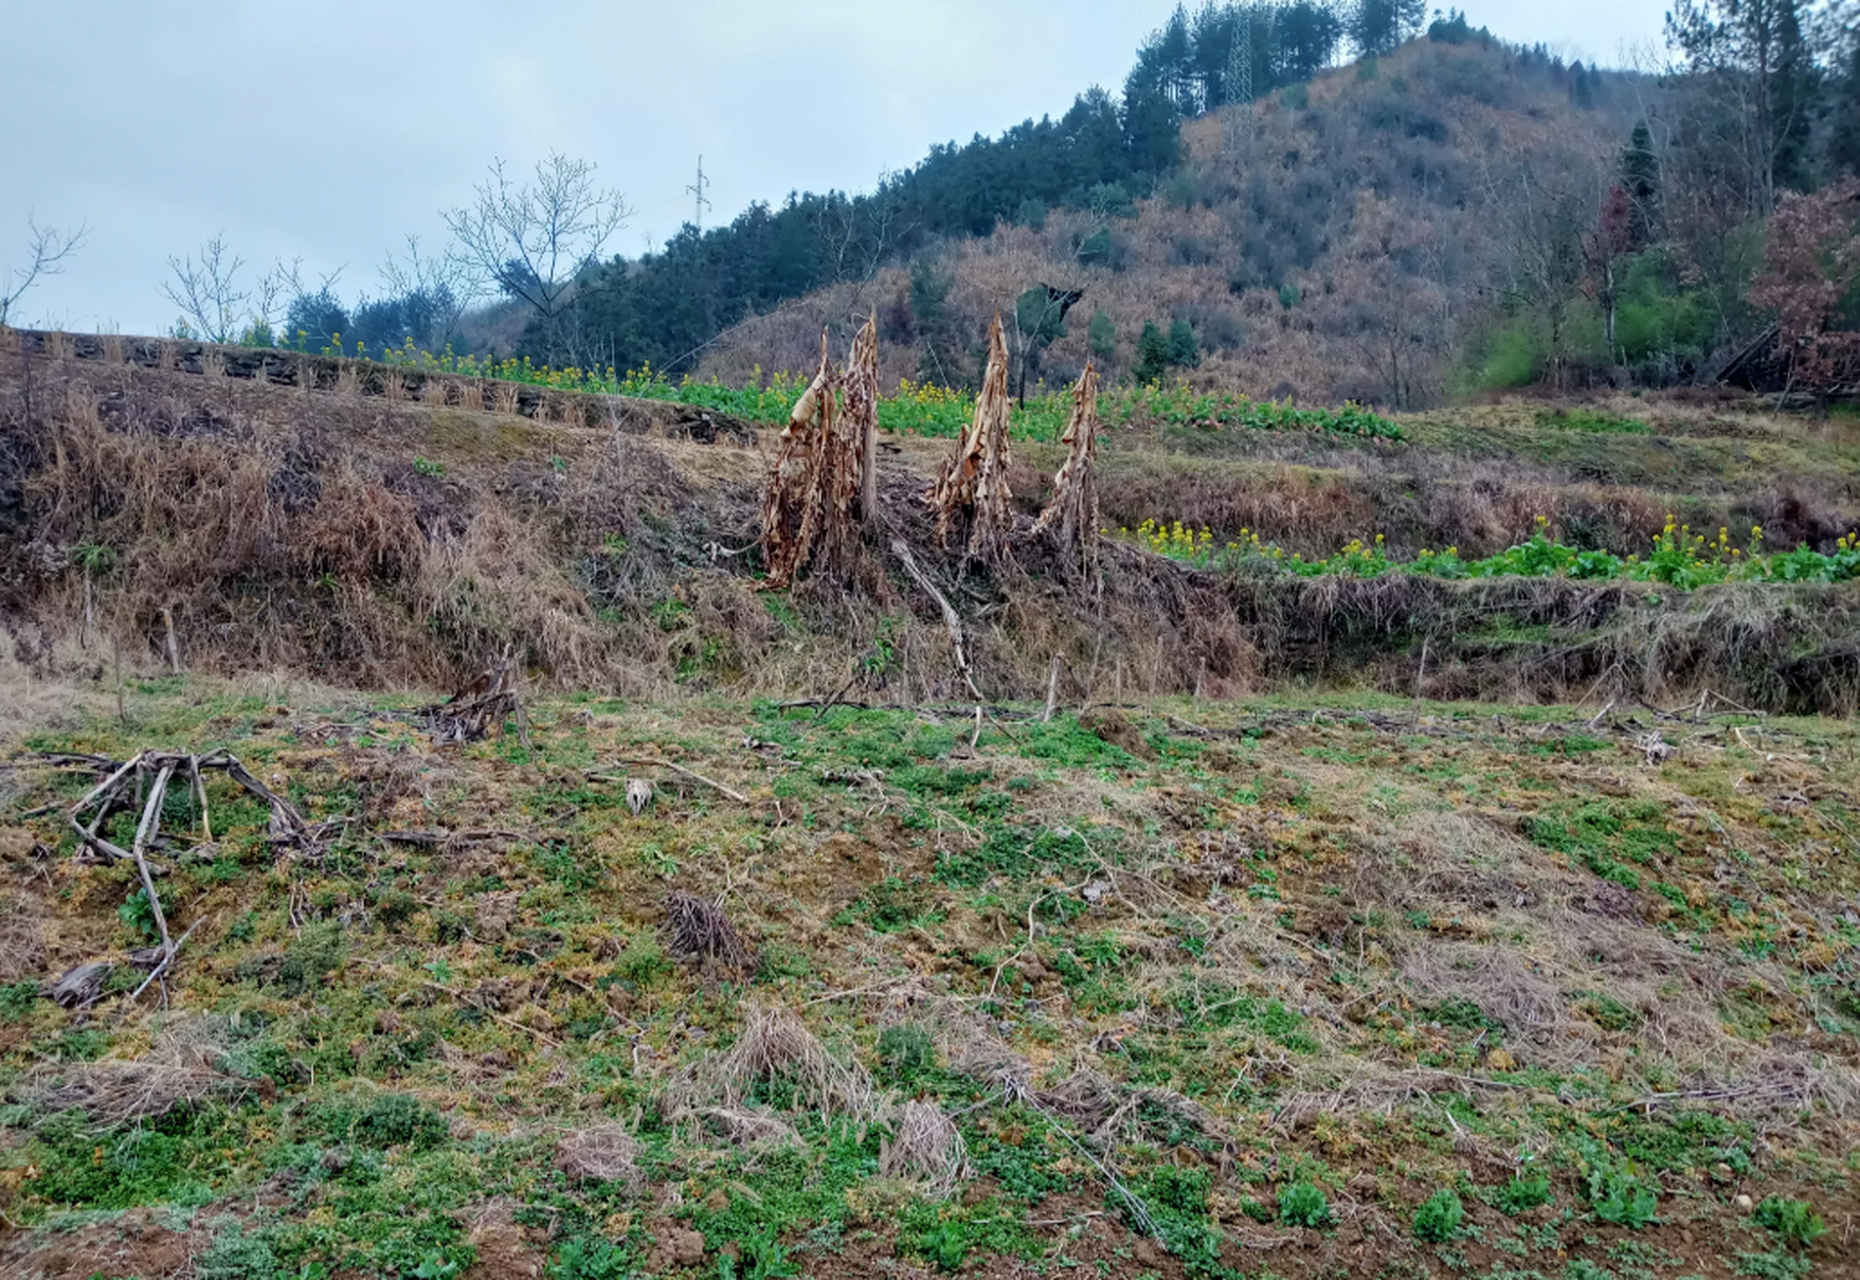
(975,479)
(862,415)
(807,508)
(1072,515)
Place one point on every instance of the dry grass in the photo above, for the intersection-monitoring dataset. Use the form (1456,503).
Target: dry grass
(924,1149)
(774,1045)
(275,549)
(22,936)
(605,1152)
(186,1067)
(697,929)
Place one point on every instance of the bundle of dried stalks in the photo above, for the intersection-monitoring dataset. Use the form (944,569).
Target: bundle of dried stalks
(925,1149)
(697,929)
(975,478)
(1072,515)
(775,1045)
(808,503)
(142,783)
(492,698)
(186,1067)
(606,1152)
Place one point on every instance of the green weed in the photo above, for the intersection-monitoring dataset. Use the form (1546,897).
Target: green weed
(1439,1217)
(1794,1220)
(1304,1204)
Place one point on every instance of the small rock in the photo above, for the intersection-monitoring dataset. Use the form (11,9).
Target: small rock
(1147,1254)
(1743,1202)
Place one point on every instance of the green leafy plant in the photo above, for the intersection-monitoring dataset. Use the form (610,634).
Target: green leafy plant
(1439,1217)
(760,1256)
(1618,1191)
(428,468)
(589,1258)
(1523,1193)
(1794,1220)
(1304,1204)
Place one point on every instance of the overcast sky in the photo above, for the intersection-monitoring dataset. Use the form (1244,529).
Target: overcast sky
(328,131)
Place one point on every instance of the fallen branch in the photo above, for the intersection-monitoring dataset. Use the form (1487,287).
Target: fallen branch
(650,762)
(166,961)
(145,832)
(951,619)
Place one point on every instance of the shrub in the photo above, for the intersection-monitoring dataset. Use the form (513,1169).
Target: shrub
(390,1120)
(1303,1204)
(1794,1220)
(1439,1217)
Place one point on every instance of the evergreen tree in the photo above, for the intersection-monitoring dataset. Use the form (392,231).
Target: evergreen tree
(1844,113)
(1755,74)
(1305,37)
(1152,354)
(1794,90)
(1184,350)
(1380,26)
(1102,335)
(1640,180)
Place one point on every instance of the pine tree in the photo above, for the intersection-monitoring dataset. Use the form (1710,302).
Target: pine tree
(1184,350)
(1152,354)
(1380,26)
(1102,335)
(1640,180)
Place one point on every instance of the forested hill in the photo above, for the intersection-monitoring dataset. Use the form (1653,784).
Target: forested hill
(1447,212)
(1102,153)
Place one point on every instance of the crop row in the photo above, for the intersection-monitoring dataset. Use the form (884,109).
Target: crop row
(1677,557)
(922,408)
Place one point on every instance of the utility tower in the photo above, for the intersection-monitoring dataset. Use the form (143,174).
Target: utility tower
(1240,81)
(697,189)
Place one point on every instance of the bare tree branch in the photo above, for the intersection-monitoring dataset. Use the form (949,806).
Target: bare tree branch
(211,303)
(446,285)
(46,250)
(532,241)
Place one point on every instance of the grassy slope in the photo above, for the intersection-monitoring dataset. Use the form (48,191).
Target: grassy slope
(1382,948)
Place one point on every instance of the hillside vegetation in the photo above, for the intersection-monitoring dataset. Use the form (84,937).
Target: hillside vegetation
(1300,907)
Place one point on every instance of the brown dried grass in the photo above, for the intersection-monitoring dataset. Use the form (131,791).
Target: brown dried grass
(698,929)
(774,1045)
(924,1149)
(186,1067)
(604,1152)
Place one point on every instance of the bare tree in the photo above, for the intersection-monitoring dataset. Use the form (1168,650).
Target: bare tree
(532,241)
(444,286)
(211,303)
(46,251)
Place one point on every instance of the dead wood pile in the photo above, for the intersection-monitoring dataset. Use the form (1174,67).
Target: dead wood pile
(490,700)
